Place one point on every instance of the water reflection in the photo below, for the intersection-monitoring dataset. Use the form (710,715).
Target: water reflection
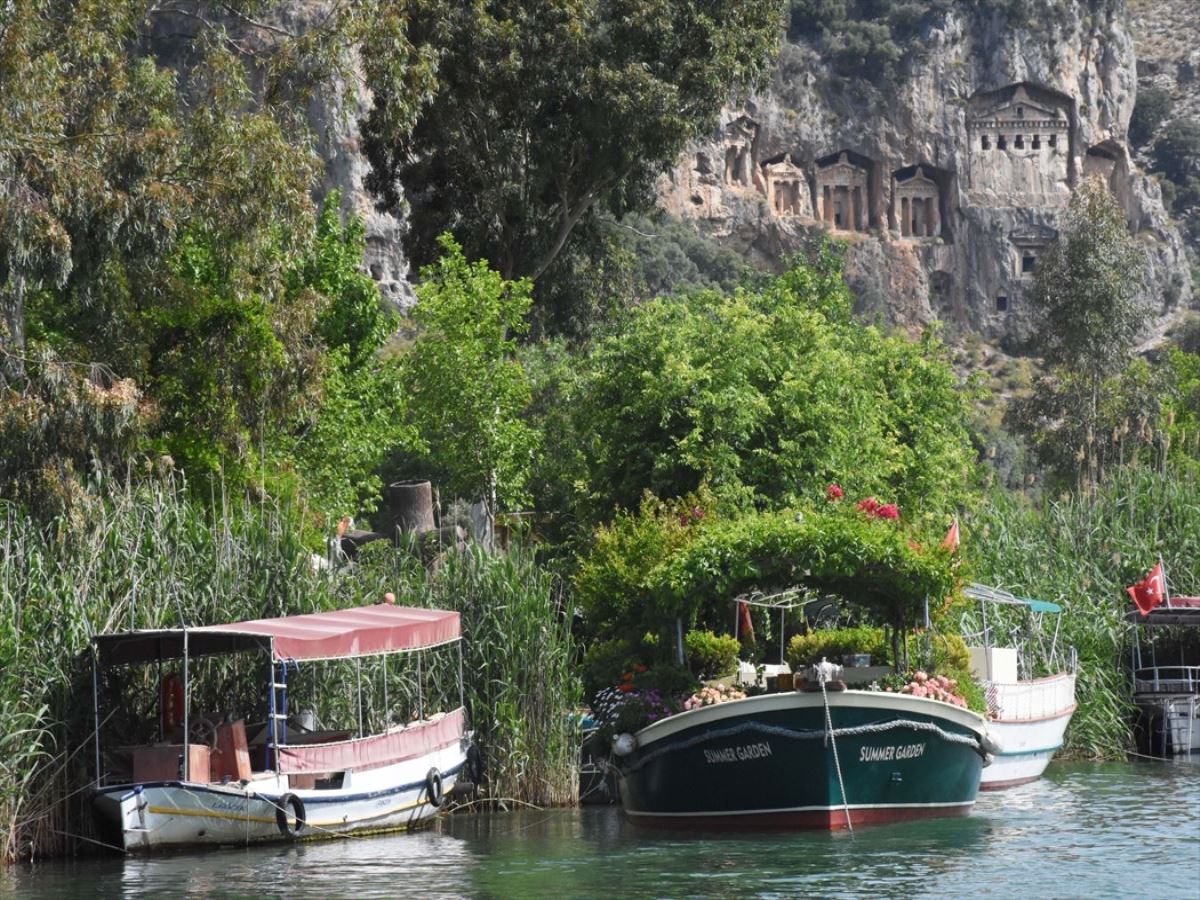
(1083,830)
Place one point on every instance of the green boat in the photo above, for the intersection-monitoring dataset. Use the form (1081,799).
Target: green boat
(804,759)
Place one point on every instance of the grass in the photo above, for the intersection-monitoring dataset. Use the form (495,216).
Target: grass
(1081,552)
(150,556)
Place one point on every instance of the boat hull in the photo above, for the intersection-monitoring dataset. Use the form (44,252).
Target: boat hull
(169,814)
(764,762)
(1031,719)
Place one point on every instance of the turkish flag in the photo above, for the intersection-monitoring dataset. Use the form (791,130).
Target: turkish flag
(950,541)
(1148,593)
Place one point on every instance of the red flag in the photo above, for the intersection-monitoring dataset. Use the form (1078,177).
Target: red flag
(950,541)
(1148,593)
(745,626)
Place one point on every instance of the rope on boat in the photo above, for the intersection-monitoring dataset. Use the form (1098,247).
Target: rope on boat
(803,735)
(833,740)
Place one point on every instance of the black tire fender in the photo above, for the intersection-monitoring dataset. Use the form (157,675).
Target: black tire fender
(281,815)
(433,788)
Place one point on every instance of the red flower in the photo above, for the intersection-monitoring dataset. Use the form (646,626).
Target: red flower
(868,506)
(628,676)
(888,511)
(834,492)
(624,688)
(638,667)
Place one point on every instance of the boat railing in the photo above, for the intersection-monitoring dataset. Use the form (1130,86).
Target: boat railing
(1167,680)
(1028,700)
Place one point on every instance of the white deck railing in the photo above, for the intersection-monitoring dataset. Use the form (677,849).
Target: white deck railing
(1027,700)
(1167,680)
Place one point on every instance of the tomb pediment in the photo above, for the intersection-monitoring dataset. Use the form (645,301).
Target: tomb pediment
(1034,236)
(743,128)
(1019,103)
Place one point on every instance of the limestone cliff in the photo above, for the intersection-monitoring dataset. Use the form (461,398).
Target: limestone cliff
(947,182)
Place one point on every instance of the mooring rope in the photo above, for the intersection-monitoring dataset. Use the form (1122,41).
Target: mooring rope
(837,764)
(802,735)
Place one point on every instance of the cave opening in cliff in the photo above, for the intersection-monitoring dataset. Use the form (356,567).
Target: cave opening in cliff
(1001,303)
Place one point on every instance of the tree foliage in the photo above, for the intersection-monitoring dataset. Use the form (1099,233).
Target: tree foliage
(544,111)
(157,225)
(1087,319)
(764,398)
(465,388)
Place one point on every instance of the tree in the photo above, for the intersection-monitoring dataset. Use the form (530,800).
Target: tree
(1151,110)
(1177,152)
(545,111)
(1087,317)
(464,387)
(155,200)
(766,397)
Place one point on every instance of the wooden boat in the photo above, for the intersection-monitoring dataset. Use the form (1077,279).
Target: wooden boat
(1027,715)
(814,758)
(1168,693)
(176,777)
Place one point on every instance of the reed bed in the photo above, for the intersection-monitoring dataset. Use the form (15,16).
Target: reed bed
(150,556)
(1082,551)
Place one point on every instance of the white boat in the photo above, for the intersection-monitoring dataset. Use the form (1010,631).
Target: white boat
(176,777)
(1027,715)
(1168,693)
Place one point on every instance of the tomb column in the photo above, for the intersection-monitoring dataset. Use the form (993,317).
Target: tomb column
(931,216)
(905,224)
(827,205)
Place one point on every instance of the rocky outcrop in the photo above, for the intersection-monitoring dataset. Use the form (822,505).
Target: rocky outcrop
(946,184)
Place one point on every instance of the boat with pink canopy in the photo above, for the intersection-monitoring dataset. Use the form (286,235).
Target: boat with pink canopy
(301,726)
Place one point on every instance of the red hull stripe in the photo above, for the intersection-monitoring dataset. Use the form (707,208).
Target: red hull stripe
(829,819)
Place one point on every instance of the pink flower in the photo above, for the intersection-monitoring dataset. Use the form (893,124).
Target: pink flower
(921,677)
(868,506)
(834,492)
(888,511)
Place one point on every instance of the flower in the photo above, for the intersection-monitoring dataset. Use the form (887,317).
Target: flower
(834,492)
(639,667)
(625,688)
(868,506)
(888,511)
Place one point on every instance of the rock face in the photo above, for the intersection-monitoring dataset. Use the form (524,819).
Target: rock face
(946,184)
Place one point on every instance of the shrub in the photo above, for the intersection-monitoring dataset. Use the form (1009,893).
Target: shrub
(834,643)
(1152,107)
(711,655)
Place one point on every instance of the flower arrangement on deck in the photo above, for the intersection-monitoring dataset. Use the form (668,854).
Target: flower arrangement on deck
(922,684)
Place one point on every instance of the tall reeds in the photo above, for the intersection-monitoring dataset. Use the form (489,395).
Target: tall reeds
(1082,551)
(150,556)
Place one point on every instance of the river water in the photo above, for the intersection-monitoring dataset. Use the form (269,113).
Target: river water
(1083,831)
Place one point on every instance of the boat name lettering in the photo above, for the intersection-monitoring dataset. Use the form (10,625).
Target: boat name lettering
(891,752)
(757,750)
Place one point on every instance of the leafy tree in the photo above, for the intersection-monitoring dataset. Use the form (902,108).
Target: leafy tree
(1177,152)
(766,397)
(545,111)
(153,211)
(1149,112)
(464,385)
(1085,300)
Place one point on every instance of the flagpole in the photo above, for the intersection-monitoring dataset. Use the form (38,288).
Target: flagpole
(1166,590)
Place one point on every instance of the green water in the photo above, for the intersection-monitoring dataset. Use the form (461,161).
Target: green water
(1083,831)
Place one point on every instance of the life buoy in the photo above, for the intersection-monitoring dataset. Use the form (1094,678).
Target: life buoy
(433,788)
(474,764)
(281,815)
(170,702)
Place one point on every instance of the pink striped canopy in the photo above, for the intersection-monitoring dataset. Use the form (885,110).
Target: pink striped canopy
(347,633)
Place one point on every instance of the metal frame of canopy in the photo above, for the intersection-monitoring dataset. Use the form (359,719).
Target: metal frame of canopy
(986,594)
(784,601)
